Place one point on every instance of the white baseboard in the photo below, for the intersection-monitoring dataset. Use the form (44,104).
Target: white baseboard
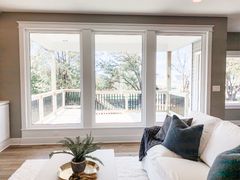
(5,144)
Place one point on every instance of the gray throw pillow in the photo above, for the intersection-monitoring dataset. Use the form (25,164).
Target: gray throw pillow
(166,124)
(226,166)
(182,139)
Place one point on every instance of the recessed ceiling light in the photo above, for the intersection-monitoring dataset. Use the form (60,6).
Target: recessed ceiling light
(196,1)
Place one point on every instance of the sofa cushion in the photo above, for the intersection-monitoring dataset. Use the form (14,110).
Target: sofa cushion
(182,139)
(166,124)
(161,151)
(209,123)
(226,136)
(226,166)
(167,168)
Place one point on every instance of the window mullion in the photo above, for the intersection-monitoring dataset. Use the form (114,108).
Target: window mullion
(149,78)
(87,77)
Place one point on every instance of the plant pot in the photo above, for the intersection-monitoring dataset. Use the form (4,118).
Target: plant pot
(78,167)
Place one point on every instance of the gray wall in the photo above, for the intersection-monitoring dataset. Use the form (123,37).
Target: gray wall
(233,41)
(9,52)
(233,44)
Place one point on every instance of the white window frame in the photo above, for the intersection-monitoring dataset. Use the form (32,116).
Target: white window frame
(196,54)
(27,79)
(229,105)
(118,132)
(205,66)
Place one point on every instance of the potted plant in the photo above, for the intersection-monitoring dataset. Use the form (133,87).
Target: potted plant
(80,150)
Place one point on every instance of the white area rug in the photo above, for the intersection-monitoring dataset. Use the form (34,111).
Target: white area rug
(128,168)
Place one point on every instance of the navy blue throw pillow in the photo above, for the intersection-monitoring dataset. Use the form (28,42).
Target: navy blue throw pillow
(166,124)
(226,166)
(182,139)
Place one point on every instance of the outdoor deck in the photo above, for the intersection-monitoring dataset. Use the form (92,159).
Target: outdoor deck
(72,116)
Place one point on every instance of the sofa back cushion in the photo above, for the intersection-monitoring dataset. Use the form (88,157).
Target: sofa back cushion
(209,123)
(226,136)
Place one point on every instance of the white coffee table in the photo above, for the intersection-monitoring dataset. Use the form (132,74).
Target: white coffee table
(106,172)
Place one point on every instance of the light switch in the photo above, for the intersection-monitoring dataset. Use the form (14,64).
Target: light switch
(216,88)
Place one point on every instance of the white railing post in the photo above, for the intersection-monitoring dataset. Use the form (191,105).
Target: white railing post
(41,110)
(160,97)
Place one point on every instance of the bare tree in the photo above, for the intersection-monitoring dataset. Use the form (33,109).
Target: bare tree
(180,66)
(232,79)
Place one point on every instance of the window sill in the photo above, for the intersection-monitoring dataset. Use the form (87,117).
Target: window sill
(82,128)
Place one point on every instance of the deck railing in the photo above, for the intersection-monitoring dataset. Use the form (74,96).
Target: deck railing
(106,102)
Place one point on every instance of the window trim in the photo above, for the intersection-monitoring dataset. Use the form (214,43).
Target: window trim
(231,105)
(149,44)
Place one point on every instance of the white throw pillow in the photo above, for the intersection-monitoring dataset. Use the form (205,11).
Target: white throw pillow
(209,123)
(226,136)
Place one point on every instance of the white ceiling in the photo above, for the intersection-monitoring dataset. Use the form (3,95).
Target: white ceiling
(57,42)
(228,8)
(171,43)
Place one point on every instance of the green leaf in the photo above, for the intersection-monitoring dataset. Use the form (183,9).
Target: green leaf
(79,149)
(95,159)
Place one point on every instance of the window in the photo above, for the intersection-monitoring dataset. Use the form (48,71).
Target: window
(175,75)
(232,97)
(55,78)
(112,80)
(118,69)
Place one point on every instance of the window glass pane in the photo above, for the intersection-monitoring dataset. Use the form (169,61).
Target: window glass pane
(118,63)
(55,78)
(233,80)
(176,67)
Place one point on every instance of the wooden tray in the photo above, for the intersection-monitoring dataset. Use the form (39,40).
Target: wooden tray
(90,172)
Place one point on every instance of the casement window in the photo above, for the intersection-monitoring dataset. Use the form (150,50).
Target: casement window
(232,89)
(96,76)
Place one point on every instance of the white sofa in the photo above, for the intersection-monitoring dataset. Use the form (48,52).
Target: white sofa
(217,137)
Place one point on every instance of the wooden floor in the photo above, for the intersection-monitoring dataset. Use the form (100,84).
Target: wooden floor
(12,157)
